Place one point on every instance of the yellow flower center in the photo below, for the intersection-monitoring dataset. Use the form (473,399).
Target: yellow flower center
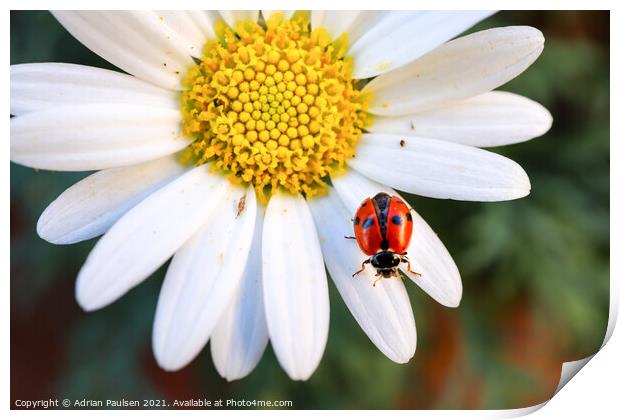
(274,106)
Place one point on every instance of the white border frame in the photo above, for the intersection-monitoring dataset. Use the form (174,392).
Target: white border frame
(593,394)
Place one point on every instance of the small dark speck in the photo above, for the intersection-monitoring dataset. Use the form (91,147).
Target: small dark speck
(177,72)
(165,64)
(412,125)
(240,206)
(402,143)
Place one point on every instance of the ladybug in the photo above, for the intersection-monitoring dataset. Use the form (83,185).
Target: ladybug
(383,226)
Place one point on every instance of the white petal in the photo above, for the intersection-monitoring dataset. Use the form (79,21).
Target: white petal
(439,169)
(384,311)
(400,37)
(202,279)
(231,17)
(240,337)
(184,24)
(335,22)
(90,137)
(440,276)
(138,42)
(146,236)
(365,21)
(286,14)
(205,20)
(488,120)
(460,69)
(90,207)
(40,86)
(294,286)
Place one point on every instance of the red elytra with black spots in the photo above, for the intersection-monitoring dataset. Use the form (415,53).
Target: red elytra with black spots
(383,223)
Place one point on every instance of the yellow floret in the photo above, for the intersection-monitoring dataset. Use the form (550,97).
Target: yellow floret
(275,107)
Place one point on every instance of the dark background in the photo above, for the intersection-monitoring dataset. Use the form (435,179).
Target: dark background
(535,271)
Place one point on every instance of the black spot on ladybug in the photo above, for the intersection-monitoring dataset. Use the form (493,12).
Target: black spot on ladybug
(397,220)
(409,217)
(356,221)
(402,143)
(368,222)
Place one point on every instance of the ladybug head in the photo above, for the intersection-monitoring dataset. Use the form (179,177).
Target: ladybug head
(386,273)
(386,263)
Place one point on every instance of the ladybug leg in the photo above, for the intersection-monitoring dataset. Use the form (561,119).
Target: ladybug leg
(349,237)
(363,267)
(374,283)
(405,259)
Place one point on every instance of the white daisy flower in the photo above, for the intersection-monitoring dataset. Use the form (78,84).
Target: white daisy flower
(216,149)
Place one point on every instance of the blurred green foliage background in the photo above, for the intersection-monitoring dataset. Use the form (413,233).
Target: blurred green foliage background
(535,271)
